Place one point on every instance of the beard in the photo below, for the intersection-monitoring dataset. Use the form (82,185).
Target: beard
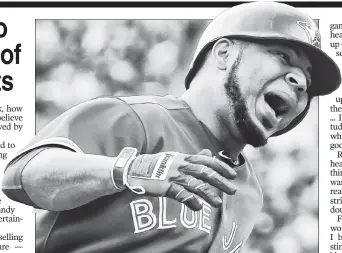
(249,130)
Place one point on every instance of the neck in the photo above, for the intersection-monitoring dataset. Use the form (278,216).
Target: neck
(231,145)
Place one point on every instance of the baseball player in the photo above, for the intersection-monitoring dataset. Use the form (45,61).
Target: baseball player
(166,174)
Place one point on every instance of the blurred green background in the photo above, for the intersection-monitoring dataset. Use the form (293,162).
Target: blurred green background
(77,60)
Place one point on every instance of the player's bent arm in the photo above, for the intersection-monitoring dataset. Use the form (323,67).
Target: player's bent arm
(58,179)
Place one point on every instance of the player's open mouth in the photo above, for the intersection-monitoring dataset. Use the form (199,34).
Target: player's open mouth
(280,104)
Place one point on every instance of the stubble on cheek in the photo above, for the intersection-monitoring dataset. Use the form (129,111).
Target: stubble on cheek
(238,106)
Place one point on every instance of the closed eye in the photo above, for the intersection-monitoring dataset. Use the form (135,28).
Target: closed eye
(284,56)
(287,59)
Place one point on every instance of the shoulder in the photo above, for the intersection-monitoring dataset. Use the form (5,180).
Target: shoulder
(150,107)
(153,103)
(126,105)
(167,102)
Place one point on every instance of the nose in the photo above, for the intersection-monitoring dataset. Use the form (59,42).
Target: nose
(297,79)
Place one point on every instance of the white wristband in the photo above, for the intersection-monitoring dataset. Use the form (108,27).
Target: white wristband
(121,165)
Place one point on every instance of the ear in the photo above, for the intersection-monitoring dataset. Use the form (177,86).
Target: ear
(220,52)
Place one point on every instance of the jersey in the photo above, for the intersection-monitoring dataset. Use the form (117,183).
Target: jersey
(129,223)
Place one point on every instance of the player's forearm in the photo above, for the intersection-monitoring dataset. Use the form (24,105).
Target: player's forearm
(57,179)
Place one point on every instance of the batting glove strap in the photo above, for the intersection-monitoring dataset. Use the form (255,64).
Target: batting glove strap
(145,168)
(120,167)
(134,188)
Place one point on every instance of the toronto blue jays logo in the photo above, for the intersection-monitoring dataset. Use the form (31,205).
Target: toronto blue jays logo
(311,32)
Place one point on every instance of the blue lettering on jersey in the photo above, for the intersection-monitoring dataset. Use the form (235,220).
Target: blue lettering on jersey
(145,218)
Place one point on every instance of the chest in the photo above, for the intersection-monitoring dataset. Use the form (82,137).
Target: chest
(208,230)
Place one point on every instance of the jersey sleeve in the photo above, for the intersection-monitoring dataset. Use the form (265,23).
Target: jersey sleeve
(102,126)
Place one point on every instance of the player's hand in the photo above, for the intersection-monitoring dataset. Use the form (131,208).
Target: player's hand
(181,177)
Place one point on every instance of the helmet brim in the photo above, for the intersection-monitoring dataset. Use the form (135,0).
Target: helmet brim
(326,76)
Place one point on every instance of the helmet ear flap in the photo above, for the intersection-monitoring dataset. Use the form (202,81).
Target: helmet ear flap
(296,121)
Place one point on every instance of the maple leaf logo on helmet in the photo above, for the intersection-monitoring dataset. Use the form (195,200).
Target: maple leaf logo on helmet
(312,33)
